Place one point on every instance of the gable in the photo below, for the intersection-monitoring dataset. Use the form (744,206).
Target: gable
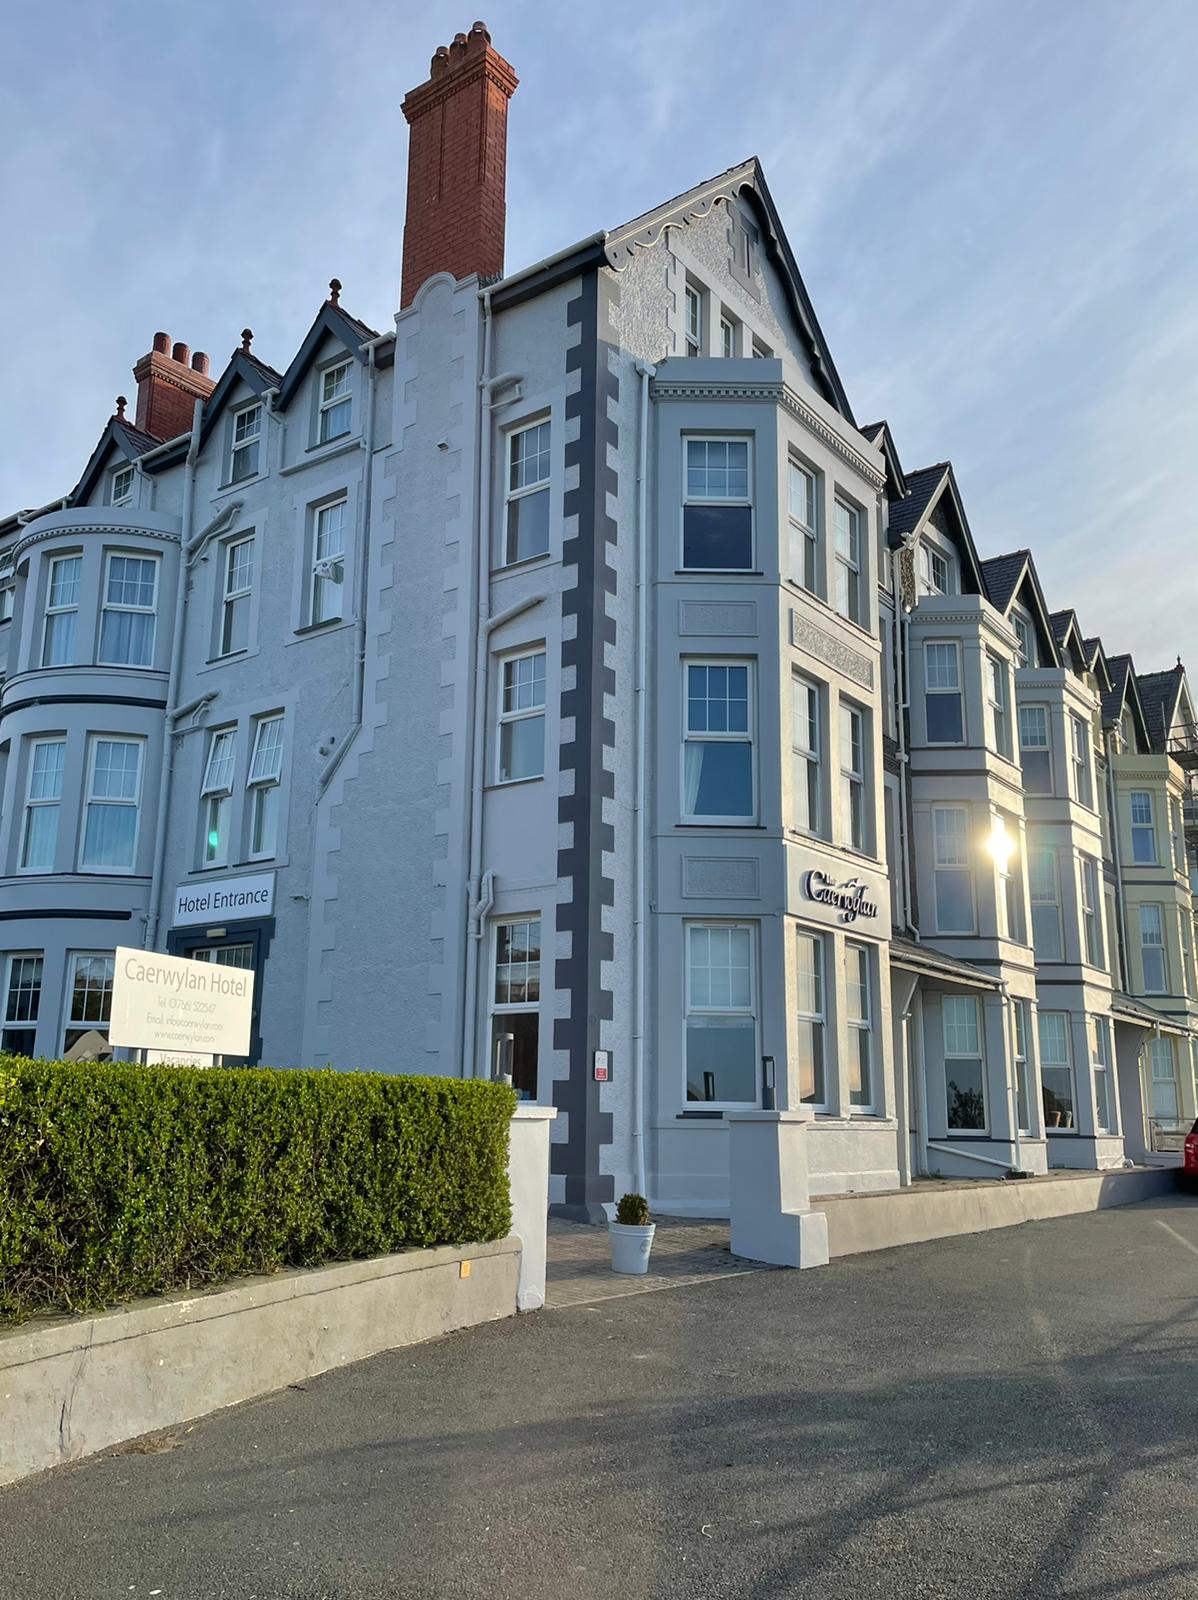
(331,323)
(120,440)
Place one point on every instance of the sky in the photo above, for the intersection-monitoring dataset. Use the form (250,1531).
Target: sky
(994,205)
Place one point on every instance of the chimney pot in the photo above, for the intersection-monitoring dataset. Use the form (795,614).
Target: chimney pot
(457,161)
(181,353)
(162,343)
(200,363)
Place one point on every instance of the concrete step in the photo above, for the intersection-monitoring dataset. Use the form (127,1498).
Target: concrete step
(940,1208)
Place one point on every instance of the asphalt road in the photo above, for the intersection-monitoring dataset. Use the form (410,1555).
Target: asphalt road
(1014,1415)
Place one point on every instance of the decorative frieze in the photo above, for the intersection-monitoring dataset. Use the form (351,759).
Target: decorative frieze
(717,617)
(826,647)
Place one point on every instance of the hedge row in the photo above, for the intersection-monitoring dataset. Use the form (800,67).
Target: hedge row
(119,1180)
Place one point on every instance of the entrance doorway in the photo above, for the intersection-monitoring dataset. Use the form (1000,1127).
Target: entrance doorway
(244,945)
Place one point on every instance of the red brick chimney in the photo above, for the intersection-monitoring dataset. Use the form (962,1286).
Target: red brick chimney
(168,387)
(457,163)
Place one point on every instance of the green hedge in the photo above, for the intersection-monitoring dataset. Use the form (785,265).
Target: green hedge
(119,1180)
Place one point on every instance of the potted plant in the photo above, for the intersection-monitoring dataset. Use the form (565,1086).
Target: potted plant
(631,1235)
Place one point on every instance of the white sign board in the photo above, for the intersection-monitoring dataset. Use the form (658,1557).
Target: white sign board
(224,900)
(165,1003)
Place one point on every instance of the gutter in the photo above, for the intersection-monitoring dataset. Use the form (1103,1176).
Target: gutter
(640,957)
(902,682)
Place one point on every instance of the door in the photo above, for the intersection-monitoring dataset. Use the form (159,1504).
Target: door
(244,947)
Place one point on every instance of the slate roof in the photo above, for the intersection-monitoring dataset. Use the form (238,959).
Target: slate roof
(871,429)
(1002,575)
(1061,622)
(1158,696)
(908,513)
(137,440)
(268,372)
(1113,700)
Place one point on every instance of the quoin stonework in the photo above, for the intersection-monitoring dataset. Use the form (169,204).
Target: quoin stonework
(563,682)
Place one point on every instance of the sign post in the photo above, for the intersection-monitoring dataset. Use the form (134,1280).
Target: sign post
(170,1007)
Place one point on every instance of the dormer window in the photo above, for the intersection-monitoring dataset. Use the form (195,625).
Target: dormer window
(247,438)
(1023,633)
(121,490)
(935,571)
(694,321)
(334,401)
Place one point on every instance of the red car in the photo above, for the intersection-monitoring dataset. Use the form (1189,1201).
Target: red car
(1189,1165)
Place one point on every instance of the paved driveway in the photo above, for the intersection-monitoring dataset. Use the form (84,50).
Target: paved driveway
(1014,1415)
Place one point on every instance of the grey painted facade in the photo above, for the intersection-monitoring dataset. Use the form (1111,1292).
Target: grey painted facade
(501,635)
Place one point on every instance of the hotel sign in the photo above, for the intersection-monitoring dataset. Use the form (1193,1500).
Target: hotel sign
(168,1004)
(849,899)
(224,900)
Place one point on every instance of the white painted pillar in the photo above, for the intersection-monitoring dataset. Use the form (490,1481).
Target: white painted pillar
(528,1174)
(772,1219)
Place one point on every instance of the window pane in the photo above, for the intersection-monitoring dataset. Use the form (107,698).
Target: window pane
(965,1083)
(941,666)
(127,638)
(721,1059)
(522,748)
(719,779)
(266,765)
(91,991)
(45,782)
(945,719)
(960,1025)
(717,537)
(954,901)
(41,838)
(527,526)
(109,836)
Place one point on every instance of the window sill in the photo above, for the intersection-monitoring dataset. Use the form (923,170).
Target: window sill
(314,454)
(513,783)
(718,572)
(706,1116)
(224,490)
(542,558)
(725,822)
(311,628)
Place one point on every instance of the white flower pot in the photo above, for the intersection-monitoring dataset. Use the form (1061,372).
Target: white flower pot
(630,1246)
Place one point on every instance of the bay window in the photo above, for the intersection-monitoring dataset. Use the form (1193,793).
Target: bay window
(111,804)
(717,511)
(859,1017)
(62,610)
(1023,1098)
(1104,1103)
(852,776)
(127,621)
(22,1001)
(964,1064)
(943,704)
(89,997)
(1143,828)
(804,527)
(1044,887)
(1035,749)
(1083,785)
(1056,1071)
(718,780)
(850,591)
(721,1016)
(812,1019)
(1152,949)
(999,694)
(806,744)
(43,801)
(952,870)
(1164,1097)
(1091,912)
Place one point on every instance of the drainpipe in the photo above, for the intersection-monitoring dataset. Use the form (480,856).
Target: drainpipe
(902,680)
(1117,857)
(359,677)
(640,956)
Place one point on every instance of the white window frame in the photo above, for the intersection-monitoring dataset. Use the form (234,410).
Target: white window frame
(263,782)
(807,743)
(110,606)
(860,1029)
(761,350)
(1068,1065)
(216,796)
(84,1024)
(751,1010)
(248,440)
(120,485)
(508,715)
(817,1018)
(960,863)
(692,319)
(529,488)
(1105,1104)
(850,560)
(61,610)
(41,802)
(728,327)
(1089,898)
(1079,752)
(1185,933)
(854,777)
(1054,903)
(1142,827)
(932,558)
(703,736)
(1025,638)
(90,799)
(1154,943)
(1025,718)
(315,579)
(805,541)
(943,690)
(1010,882)
(1023,1076)
(328,400)
(525,1007)
(35,988)
(689,499)
(8,599)
(1159,1047)
(961,1055)
(998,695)
(231,597)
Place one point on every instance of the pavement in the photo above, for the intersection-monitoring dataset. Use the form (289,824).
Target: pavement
(1013,1414)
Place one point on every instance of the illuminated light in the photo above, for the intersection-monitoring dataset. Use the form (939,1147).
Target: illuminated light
(214,840)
